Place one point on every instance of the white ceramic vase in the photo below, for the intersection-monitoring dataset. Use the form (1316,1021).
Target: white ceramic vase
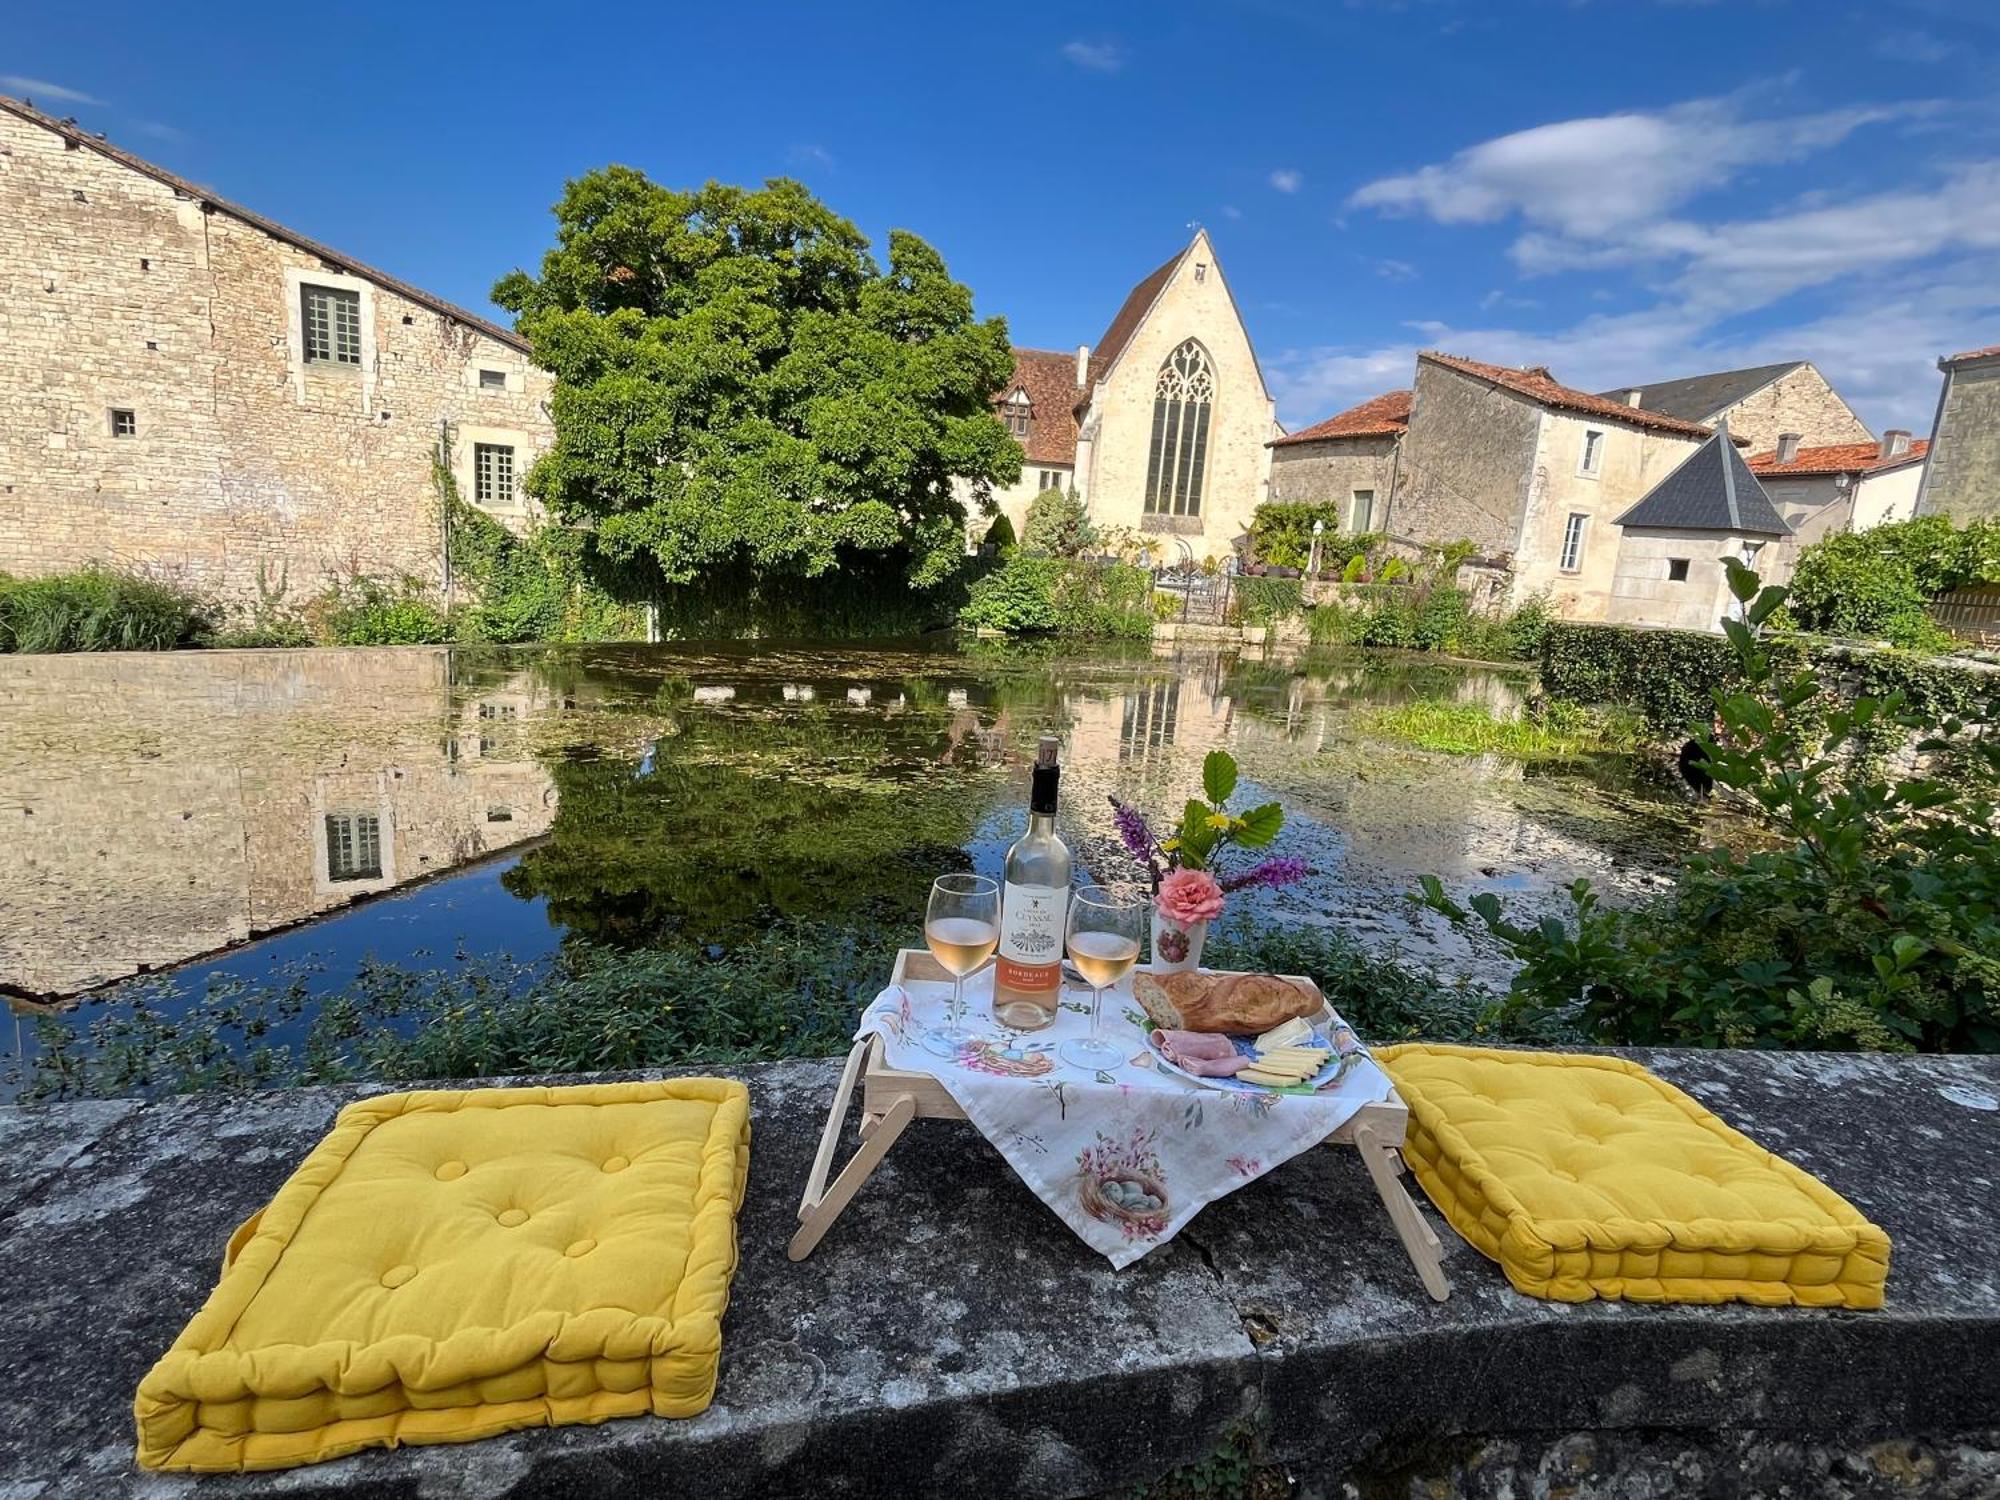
(1176,947)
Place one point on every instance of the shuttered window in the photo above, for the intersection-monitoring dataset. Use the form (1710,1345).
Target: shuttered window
(492,475)
(331,319)
(353,846)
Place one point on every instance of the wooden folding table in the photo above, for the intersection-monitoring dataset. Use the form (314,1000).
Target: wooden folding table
(892,1097)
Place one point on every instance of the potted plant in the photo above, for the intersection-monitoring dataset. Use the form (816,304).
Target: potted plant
(1183,869)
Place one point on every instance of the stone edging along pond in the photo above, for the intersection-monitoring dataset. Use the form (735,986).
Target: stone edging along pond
(952,1336)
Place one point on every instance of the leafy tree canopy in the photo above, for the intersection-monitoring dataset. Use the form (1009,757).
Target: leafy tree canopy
(739,385)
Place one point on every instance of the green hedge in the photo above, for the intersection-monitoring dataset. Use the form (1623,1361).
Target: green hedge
(1035,594)
(100,609)
(1281,536)
(1668,676)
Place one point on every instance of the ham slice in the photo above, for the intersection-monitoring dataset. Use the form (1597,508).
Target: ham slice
(1206,1054)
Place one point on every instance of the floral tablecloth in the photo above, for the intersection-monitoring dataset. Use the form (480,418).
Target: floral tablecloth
(1125,1157)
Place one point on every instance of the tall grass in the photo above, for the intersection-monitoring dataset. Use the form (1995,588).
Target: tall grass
(98,609)
(1560,731)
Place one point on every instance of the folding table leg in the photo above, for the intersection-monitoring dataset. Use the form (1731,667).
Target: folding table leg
(818,1212)
(1418,1241)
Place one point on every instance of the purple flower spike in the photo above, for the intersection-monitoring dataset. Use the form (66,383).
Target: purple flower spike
(1284,870)
(1132,831)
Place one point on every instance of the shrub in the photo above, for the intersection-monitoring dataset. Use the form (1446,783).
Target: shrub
(1875,583)
(100,609)
(1000,535)
(1355,569)
(368,612)
(1034,594)
(1262,600)
(1057,524)
(1870,919)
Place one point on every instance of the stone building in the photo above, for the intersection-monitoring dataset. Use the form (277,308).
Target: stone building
(1532,471)
(195,391)
(1838,487)
(1167,417)
(1961,477)
(1348,461)
(1759,404)
(1668,556)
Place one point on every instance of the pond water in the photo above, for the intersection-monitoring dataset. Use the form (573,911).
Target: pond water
(261,813)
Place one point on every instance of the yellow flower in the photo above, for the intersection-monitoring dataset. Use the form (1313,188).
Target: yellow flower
(1219,820)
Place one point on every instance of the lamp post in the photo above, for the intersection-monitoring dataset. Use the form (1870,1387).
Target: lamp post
(1312,561)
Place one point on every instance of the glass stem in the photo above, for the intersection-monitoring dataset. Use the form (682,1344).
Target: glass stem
(1096,1013)
(958,1000)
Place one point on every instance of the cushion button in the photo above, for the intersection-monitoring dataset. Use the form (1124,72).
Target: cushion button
(450,1170)
(395,1276)
(513,1216)
(581,1247)
(615,1164)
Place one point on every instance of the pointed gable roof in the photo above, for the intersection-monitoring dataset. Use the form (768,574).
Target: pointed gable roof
(1386,415)
(1694,398)
(70,132)
(1712,490)
(1131,313)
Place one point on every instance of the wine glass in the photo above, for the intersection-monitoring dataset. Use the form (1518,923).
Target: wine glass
(962,926)
(1104,929)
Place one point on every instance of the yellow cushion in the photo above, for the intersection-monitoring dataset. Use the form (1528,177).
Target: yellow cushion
(446,1266)
(1589,1177)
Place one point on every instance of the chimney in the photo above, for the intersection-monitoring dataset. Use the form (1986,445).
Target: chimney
(1895,442)
(1082,365)
(1632,396)
(1788,446)
(1538,370)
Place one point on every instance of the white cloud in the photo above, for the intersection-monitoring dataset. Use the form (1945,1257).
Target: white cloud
(1288,179)
(1395,270)
(1231,211)
(1912,47)
(41,90)
(808,155)
(161,131)
(1095,57)
(1588,177)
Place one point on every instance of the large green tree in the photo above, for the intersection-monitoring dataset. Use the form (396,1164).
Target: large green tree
(742,392)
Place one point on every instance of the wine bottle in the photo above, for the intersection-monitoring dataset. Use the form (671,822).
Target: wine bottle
(1034,901)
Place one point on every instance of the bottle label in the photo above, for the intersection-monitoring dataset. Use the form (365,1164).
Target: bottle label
(1031,937)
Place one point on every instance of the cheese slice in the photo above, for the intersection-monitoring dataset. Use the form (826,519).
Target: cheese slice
(1295,1030)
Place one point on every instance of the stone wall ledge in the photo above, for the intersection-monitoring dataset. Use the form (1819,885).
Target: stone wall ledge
(951,1336)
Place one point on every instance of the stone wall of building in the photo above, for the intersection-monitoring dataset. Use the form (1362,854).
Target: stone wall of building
(1467,461)
(1800,402)
(1631,461)
(1112,460)
(177,828)
(1962,477)
(1330,473)
(248,470)
(1644,592)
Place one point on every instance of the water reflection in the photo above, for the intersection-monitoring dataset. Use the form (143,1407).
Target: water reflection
(159,808)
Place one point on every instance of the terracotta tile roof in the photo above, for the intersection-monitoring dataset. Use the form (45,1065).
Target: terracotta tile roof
(69,131)
(1049,378)
(1537,385)
(1386,415)
(1131,313)
(1836,458)
(1987,353)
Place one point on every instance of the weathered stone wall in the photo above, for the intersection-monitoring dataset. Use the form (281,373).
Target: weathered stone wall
(1467,461)
(249,469)
(1800,402)
(1329,473)
(1632,460)
(1963,476)
(171,832)
(1118,426)
(1642,593)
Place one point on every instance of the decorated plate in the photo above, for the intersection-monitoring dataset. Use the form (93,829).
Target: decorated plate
(1345,1046)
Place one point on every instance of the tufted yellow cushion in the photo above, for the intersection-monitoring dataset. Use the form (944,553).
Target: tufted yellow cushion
(1589,1177)
(446,1266)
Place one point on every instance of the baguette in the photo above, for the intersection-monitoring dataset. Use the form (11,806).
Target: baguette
(1246,1004)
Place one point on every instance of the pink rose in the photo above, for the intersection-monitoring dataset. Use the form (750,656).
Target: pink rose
(1190,896)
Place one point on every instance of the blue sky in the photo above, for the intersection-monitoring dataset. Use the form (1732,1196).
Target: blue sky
(1624,190)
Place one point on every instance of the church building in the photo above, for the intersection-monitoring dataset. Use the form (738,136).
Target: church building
(1162,428)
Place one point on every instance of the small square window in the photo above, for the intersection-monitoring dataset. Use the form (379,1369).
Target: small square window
(1201,270)
(493,380)
(124,423)
(1677,570)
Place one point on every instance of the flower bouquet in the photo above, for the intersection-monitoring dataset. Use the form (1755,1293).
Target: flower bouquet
(1181,868)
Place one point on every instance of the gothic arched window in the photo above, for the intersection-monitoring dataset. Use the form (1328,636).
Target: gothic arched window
(1179,454)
